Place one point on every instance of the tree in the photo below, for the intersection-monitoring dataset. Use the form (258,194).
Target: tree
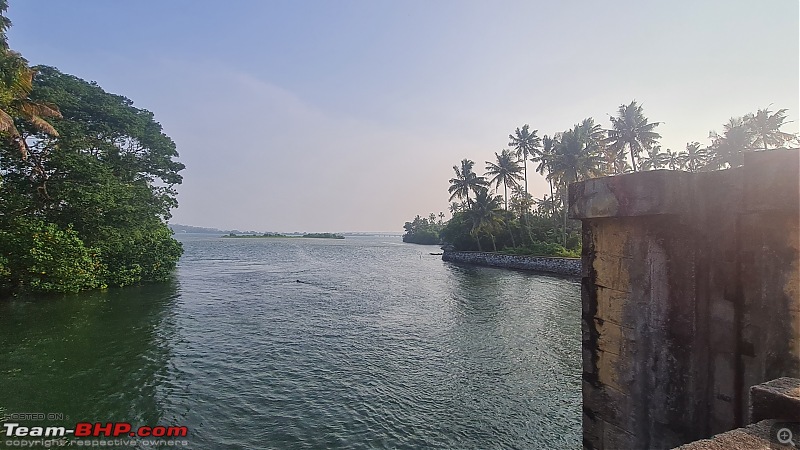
(485,215)
(525,143)
(545,168)
(505,171)
(727,149)
(674,160)
(16,83)
(577,157)
(466,181)
(631,130)
(422,230)
(765,128)
(655,159)
(108,175)
(694,158)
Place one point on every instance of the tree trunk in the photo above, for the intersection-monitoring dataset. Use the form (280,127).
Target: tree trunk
(478,240)
(505,193)
(525,154)
(552,204)
(564,202)
(494,246)
(633,158)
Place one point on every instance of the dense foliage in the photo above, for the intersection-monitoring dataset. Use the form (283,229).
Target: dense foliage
(86,185)
(520,224)
(424,230)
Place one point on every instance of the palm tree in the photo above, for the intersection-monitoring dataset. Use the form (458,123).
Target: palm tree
(545,160)
(545,206)
(486,216)
(16,84)
(521,202)
(577,157)
(455,207)
(506,172)
(465,181)
(631,129)
(674,160)
(577,154)
(694,157)
(525,143)
(765,127)
(727,149)
(655,159)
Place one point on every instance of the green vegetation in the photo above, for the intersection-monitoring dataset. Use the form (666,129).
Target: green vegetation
(519,224)
(86,184)
(323,236)
(424,230)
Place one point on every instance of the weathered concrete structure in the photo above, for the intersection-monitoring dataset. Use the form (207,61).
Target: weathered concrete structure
(558,266)
(690,291)
(774,405)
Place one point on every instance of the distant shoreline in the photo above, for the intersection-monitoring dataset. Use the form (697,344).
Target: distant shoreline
(276,235)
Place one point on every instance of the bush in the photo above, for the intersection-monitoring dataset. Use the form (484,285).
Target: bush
(142,254)
(41,257)
(539,248)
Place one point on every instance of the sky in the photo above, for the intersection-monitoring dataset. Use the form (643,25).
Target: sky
(342,115)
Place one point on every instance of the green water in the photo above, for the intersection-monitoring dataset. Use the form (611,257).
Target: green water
(307,343)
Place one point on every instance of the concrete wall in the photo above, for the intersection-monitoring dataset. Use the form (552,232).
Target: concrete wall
(690,297)
(559,266)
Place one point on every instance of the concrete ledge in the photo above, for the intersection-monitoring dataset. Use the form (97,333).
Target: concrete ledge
(559,266)
(637,194)
(777,399)
(768,181)
(755,436)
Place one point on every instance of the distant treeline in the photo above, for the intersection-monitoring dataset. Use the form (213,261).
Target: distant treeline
(278,235)
(495,210)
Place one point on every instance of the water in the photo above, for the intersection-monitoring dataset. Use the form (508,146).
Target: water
(300,343)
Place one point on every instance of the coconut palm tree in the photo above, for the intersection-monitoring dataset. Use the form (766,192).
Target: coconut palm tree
(727,149)
(466,181)
(486,216)
(545,206)
(694,157)
(631,130)
(525,143)
(16,84)
(765,127)
(505,171)
(521,202)
(674,160)
(655,159)
(577,157)
(545,159)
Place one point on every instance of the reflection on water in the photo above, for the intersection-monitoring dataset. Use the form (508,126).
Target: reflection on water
(98,356)
(301,343)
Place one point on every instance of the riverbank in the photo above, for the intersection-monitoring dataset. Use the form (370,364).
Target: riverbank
(554,265)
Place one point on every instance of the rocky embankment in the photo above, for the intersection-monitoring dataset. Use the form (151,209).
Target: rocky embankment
(559,266)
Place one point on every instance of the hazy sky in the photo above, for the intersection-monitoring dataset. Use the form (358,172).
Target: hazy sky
(349,115)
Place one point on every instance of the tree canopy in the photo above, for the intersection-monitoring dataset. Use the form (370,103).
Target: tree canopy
(85,204)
